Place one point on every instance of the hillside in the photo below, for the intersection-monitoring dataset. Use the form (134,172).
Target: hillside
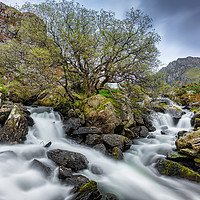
(182,71)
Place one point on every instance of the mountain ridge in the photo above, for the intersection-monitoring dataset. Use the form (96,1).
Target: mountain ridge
(182,71)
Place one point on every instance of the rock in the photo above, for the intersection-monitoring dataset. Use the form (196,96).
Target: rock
(164,127)
(143,132)
(96,170)
(87,130)
(36,164)
(171,168)
(196,123)
(101,148)
(68,159)
(76,180)
(4,113)
(175,112)
(29,120)
(117,153)
(64,172)
(89,191)
(129,134)
(93,139)
(48,144)
(100,112)
(190,140)
(181,134)
(109,196)
(177,157)
(114,140)
(15,128)
(71,124)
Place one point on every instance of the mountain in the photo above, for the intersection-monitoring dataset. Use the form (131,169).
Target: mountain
(182,71)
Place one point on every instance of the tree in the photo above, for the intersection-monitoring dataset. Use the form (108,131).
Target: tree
(95,48)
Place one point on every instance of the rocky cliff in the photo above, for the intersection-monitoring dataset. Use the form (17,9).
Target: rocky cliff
(182,71)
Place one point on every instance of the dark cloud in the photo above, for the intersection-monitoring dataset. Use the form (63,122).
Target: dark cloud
(177,21)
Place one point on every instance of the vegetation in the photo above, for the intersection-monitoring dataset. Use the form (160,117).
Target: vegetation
(66,44)
(186,94)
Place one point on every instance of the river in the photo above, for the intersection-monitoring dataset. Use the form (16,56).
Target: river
(133,178)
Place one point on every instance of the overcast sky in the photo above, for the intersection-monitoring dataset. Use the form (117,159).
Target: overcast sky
(176,21)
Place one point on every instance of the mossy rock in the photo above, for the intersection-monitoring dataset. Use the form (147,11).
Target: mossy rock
(171,168)
(100,112)
(88,191)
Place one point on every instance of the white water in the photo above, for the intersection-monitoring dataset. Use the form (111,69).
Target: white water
(133,178)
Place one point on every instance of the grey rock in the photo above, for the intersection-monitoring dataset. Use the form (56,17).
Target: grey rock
(87,130)
(75,161)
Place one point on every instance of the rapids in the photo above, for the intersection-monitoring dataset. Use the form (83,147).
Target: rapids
(133,178)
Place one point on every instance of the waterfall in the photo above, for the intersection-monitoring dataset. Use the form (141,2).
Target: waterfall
(133,178)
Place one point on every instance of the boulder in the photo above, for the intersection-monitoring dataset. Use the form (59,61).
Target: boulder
(109,196)
(117,153)
(64,172)
(87,130)
(75,161)
(93,139)
(15,128)
(4,113)
(114,140)
(71,124)
(89,191)
(101,113)
(36,164)
(171,168)
(141,131)
(101,148)
(175,112)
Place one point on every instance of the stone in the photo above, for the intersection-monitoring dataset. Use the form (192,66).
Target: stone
(75,161)
(64,172)
(109,196)
(15,128)
(96,170)
(76,180)
(181,134)
(4,113)
(100,112)
(93,139)
(87,130)
(117,153)
(36,164)
(143,132)
(171,168)
(101,148)
(71,124)
(114,140)
(89,191)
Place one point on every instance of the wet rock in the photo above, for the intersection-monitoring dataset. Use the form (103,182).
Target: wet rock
(68,159)
(117,153)
(48,144)
(164,127)
(87,130)
(96,170)
(76,180)
(64,172)
(181,134)
(15,128)
(71,125)
(143,132)
(175,112)
(29,120)
(175,156)
(36,164)
(89,191)
(114,140)
(171,168)
(101,148)
(93,139)
(109,196)
(4,113)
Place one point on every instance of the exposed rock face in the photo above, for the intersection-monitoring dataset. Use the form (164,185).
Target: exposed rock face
(176,70)
(15,128)
(13,23)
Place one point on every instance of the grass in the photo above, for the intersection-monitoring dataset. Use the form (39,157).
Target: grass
(193,73)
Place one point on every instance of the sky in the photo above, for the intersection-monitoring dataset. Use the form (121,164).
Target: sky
(176,21)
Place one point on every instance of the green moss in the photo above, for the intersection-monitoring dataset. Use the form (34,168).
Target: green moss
(171,168)
(88,187)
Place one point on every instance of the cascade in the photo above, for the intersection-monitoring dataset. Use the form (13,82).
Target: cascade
(133,178)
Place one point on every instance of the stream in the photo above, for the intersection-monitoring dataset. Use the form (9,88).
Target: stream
(133,178)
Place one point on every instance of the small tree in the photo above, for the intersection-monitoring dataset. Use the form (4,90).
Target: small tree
(95,48)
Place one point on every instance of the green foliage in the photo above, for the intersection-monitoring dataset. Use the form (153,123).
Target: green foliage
(193,73)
